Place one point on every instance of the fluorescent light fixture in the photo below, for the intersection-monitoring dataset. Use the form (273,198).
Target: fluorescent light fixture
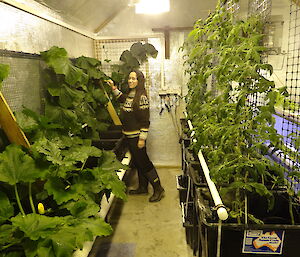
(152,6)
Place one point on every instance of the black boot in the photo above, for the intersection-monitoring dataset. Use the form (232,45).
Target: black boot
(143,185)
(158,191)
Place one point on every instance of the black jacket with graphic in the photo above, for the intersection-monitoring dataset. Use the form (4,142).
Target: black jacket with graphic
(135,121)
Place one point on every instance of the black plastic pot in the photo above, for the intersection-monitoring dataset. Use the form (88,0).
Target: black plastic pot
(239,240)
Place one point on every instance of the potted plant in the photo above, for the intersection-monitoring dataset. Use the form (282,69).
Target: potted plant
(230,103)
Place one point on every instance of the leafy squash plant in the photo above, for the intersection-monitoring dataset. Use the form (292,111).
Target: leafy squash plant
(230,102)
(75,96)
(132,59)
(54,175)
(49,196)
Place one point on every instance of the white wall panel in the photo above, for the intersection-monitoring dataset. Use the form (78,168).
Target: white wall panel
(24,32)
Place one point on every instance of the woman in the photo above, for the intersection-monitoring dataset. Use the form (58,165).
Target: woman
(135,120)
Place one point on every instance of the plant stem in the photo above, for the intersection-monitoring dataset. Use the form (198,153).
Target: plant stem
(18,200)
(291,211)
(246,209)
(7,246)
(30,199)
(83,165)
(246,199)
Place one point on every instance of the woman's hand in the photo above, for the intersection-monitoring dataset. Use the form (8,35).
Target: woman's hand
(141,143)
(111,84)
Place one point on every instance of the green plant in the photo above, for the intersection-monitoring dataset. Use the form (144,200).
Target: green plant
(132,59)
(50,193)
(75,98)
(227,81)
(53,173)
(4,70)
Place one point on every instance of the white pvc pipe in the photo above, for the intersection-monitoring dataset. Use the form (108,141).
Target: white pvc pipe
(190,125)
(222,212)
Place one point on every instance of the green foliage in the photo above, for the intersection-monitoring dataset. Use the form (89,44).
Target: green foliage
(57,236)
(4,70)
(6,209)
(17,166)
(76,98)
(223,58)
(54,170)
(57,58)
(132,59)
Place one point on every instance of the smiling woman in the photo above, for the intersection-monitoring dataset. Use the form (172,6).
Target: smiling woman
(152,6)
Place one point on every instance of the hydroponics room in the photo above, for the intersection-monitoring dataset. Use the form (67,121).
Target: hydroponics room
(138,128)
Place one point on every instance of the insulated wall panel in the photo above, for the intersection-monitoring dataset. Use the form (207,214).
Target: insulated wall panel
(24,32)
(23,85)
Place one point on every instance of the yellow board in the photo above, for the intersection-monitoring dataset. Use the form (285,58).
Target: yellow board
(113,114)
(9,125)
(111,109)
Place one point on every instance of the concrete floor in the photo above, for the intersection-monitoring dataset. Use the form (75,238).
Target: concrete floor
(143,229)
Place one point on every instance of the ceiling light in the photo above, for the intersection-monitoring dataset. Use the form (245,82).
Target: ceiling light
(152,6)
(133,2)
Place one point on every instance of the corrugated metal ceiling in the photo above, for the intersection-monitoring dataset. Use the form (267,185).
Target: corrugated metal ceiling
(93,15)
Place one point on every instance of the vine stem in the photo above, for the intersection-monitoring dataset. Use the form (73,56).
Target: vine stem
(18,200)
(30,198)
(246,198)
(83,165)
(291,211)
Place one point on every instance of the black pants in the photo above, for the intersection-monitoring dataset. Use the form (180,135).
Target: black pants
(139,156)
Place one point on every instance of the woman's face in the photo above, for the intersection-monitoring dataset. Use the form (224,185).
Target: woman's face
(132,80)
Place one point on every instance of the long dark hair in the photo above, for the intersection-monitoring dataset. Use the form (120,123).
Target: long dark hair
(140,88)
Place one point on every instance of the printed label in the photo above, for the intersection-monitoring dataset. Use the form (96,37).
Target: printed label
(263,241)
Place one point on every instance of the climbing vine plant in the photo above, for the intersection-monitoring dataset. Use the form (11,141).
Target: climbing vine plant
(233,131)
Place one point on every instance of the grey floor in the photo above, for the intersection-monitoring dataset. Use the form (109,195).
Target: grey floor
(143,229)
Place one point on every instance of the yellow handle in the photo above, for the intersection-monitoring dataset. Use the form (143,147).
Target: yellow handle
(111,110)
(10,126)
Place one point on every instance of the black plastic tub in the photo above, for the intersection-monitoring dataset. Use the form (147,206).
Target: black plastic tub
(247,240)
(182,187)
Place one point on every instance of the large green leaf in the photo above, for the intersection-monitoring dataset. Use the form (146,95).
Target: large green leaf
(81,153)
(129,59)
(89,228)
(106,174)
(7,236)
(6,208)
(68,237)
(111,181)
(138,51)
(52,152)
(61,193)
(37,226)
(87,62)
(62,116)
(70,97)
(30,121)
(90,65)
(17,166)
(82,208)
(61,245)
(150,49)
(57,58)
(99,95)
